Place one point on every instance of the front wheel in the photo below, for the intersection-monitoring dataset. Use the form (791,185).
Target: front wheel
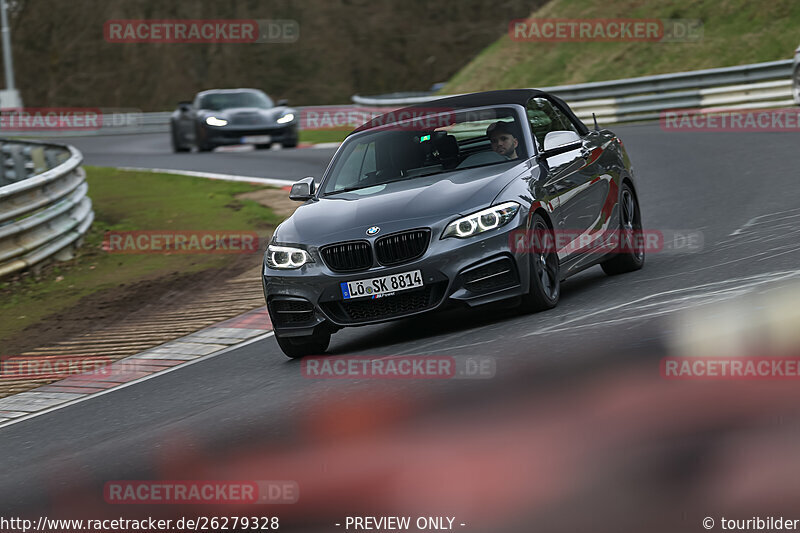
(314,344)
(176,143)
(201,140)
(545,280)
(629,255)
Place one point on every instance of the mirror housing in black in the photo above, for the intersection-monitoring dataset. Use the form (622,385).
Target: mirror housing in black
(302,190)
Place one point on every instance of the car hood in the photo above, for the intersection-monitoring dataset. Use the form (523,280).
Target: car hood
(417,202)
(249,115)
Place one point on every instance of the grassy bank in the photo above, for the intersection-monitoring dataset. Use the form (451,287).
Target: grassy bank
(323,136)
(123,201)
(735,32)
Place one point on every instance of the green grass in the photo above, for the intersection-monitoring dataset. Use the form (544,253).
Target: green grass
(736,32)
(129,200)
(323,136)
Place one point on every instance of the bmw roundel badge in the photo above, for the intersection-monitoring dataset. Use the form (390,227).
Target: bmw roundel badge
(373,230)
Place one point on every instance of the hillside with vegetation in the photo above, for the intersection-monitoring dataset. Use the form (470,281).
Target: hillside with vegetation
(735,32)
(345,47)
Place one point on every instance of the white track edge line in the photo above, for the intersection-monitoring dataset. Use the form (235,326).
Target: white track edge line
(134,382)
(212,175)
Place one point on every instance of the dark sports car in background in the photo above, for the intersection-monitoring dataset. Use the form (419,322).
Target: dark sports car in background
(233,116)
(488,197)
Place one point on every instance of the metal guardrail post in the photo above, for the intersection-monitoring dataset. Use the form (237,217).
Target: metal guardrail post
(14,164)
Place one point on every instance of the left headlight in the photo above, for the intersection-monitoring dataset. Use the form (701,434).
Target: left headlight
(285,119)
(286,257)
(480,221)
(214,121)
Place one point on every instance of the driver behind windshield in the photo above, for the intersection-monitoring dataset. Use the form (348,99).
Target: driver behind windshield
(503,140)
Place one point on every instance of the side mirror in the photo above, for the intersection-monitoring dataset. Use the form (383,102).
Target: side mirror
(184,106)
(282,102)
(560,142)
(302,190)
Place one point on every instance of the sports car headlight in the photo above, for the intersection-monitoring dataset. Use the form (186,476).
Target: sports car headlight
(484,220)
(214,121)
(286,257)
(285,119)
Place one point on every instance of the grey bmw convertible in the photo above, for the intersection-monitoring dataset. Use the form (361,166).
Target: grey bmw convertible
(470,200)
(221,117)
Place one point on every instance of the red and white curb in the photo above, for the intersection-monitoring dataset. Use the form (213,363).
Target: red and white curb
(173,355)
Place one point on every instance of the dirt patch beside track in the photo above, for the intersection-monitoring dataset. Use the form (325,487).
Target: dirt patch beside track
(275,199)
(117,323)
(132,317)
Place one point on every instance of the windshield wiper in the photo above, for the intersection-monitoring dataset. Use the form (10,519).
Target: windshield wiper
(406,178)
(348,189)
(429,174)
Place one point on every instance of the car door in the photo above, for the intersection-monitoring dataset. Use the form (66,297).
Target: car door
(577,178)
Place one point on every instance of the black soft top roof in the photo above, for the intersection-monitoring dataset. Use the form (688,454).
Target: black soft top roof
(228,91)
(488,98)
(509,96)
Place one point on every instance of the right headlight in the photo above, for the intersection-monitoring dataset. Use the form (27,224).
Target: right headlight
(286,257)
(480,221)
(285,119)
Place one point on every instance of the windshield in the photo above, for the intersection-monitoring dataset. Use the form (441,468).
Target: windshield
(220,101)
(435,144)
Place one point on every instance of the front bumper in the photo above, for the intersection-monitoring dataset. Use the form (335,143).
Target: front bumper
(475,271)
(230,135)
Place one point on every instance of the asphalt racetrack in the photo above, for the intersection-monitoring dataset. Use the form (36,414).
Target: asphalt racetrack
(153,151)
(735,194)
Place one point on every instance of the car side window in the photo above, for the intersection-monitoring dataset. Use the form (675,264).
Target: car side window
(368,164)
(359,163)
(544,117)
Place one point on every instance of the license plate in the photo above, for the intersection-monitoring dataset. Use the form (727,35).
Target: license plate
(256,139)
(383,286)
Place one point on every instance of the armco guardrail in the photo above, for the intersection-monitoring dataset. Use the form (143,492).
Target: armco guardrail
(759,85)
(44,209)
(117,123)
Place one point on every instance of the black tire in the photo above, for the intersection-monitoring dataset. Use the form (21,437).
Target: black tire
(314,344)
(176,144)
(290,144)
(200,140)
(630,254)
(265,146)
(544,287)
